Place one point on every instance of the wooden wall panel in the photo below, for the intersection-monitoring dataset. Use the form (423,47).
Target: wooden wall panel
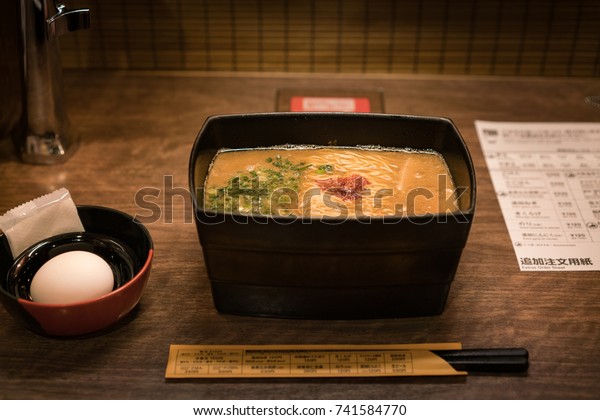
(480,37)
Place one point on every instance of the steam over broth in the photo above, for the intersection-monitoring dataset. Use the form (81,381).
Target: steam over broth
(329,181)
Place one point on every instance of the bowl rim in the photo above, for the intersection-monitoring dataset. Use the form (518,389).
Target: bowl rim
(197,146)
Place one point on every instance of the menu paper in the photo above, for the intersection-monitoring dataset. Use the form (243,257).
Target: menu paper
(547,180)
(307,361)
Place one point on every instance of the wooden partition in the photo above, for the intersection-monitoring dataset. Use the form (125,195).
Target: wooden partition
(473,37)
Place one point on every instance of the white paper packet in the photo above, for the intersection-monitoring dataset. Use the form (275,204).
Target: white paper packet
(31,222)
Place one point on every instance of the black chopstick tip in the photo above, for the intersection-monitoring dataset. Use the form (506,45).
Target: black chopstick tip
(487,360)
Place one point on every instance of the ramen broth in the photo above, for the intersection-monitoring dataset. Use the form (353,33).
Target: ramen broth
(330,181)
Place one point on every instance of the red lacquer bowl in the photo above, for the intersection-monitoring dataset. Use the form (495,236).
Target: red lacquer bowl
(120,239)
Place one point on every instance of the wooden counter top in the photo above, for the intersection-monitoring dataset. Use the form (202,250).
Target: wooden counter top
(137,133)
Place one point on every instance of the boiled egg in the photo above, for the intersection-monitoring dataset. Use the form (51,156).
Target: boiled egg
(70,277)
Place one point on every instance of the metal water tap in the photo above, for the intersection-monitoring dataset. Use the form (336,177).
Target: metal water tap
(35,115)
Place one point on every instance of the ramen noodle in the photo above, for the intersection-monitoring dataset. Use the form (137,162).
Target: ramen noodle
(329,181)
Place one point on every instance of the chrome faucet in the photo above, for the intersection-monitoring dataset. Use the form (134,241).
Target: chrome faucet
(31,97)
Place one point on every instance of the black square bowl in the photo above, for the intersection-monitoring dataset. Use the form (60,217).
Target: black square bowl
(314,268)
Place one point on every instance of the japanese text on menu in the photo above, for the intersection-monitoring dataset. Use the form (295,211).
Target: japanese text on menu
(547,180)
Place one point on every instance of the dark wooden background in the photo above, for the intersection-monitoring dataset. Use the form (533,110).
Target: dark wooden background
(476,37)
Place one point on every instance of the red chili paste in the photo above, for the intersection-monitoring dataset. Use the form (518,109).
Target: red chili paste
(345,187)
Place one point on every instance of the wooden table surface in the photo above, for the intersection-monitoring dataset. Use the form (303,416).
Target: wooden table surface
(137,132)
